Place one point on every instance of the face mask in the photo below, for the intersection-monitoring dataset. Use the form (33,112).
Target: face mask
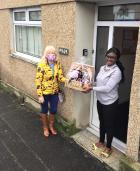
(51,58)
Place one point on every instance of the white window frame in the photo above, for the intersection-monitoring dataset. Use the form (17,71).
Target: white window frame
(29,58)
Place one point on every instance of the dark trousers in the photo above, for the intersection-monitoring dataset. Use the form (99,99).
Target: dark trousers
(107,115)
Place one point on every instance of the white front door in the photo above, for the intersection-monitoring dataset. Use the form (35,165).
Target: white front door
(122,35)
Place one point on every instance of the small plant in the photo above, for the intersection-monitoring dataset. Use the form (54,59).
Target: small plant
(65,127)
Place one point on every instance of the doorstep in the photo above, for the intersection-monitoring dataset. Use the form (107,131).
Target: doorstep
(85,139)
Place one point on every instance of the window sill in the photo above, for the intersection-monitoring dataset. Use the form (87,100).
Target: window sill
(27,58)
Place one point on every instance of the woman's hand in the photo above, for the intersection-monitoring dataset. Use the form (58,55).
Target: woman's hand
(41,99)
(87,88)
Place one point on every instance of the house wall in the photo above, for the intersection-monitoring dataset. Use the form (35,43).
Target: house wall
(23,3)
(4,49)
(133,136)
(85,13)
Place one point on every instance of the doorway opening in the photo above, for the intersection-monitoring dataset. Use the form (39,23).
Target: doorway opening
(125,39)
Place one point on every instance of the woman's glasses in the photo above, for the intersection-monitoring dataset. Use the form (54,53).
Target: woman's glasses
(111,57)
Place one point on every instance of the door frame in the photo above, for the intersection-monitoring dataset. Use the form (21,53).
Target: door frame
(121,146)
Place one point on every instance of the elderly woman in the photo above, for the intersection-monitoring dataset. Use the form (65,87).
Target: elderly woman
(49,74)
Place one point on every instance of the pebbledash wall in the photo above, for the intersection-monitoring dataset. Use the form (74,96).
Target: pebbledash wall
(61,26)
(68,24)
(133,136)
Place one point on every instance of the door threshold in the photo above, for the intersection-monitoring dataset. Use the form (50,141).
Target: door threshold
(85,139)
(117,144)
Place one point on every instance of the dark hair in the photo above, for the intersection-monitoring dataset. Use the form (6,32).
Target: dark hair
(118,63)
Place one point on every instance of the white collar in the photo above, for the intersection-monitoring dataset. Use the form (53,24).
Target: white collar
(108,68)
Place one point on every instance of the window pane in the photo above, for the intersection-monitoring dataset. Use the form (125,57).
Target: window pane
(19,38)
(37,39)
(105,13)
(28,40)
(19,16)
(17,35)
(35,15)
(102,45)
(24,39)
(39,42)
(119,13)
(132,12)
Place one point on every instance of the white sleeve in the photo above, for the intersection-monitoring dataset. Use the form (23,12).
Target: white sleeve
(112,82)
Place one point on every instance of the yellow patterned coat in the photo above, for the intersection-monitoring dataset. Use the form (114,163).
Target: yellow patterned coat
(47,82)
